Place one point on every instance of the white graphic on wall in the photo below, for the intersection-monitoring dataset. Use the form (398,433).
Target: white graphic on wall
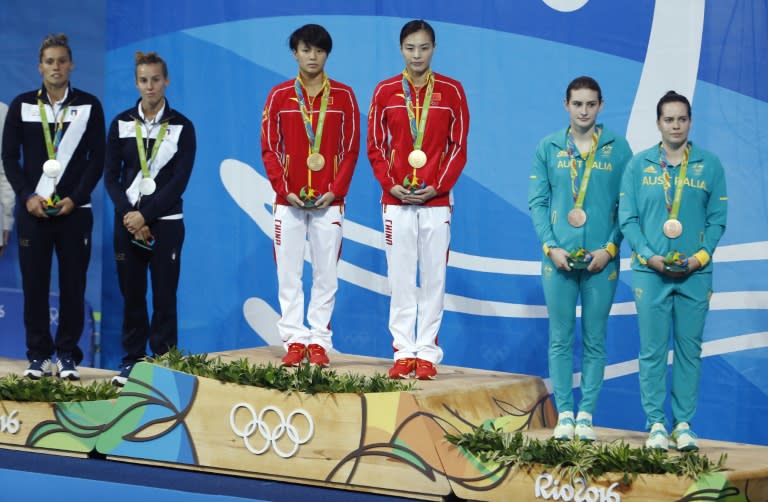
(566,5)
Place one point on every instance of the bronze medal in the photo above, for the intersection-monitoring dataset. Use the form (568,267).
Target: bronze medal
(673,228)
(577,217)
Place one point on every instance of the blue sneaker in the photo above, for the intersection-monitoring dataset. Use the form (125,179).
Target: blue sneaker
(67,369)
(39,368)
(119,380)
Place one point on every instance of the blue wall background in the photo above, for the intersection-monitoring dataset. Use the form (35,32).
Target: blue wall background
(515,60)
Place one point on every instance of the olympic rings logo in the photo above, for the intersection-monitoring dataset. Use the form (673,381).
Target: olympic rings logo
(271,437)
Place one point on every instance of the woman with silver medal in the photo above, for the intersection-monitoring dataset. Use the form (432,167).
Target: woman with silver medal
(150,153)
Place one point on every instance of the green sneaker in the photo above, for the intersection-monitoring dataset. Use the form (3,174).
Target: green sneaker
(684,438)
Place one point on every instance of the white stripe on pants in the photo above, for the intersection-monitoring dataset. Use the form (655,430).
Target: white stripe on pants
(323,229)
(416,235)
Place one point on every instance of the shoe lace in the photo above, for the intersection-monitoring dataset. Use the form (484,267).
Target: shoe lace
(296,348)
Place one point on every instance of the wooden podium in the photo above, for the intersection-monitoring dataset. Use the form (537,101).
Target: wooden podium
(391,443)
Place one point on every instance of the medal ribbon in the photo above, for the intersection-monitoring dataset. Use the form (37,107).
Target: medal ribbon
(578,198)
(417,116)
(673,208)
(140,146)
(51,145)
(315,138)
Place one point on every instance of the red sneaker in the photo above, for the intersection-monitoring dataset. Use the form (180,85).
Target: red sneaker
(402,368)
(296,354)
(317,356)
(425,370)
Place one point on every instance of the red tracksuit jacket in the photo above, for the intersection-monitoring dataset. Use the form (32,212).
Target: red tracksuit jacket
(285,146)
(445,136)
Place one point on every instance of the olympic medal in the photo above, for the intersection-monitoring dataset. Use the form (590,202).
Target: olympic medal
(52,168)
(315,162)
(673,228)
(577,217)
(417,159)
(147,186)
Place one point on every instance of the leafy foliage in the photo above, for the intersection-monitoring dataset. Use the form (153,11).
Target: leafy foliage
(17,388)
(574,459)
(304,378)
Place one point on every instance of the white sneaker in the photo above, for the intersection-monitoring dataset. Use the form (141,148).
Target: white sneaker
(684,438)
(565,426)
(584,430)
(658,438)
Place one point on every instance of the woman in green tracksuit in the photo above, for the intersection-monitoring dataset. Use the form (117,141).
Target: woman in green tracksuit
(573,199)
(673,209)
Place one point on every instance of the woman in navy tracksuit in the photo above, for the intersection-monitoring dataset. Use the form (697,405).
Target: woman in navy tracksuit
(150,153)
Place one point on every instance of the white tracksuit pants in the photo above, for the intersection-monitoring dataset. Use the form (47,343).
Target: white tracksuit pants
(323,229)
(416,235)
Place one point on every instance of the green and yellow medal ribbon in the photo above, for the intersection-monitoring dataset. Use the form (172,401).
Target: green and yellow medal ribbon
(673,208)
(140,146)
(578,197)
(52,145)
(314,137)
(417,116)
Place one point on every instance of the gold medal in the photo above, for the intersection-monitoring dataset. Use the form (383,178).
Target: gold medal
(315,162)
(417,159)
(52,168)
(673,228)
(577,217)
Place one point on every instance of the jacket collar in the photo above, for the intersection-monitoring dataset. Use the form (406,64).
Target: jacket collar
(560,138)
(652,154)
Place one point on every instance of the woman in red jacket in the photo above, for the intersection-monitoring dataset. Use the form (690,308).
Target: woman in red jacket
(417,146)
(310,140)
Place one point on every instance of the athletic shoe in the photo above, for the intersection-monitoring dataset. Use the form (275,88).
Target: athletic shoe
(564,429)
(296,354)
(425,370)
(122,378)
(67,369)
(402,368)
(317,356)
(684,438)
(39,368)
(658,438)
(584,430)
